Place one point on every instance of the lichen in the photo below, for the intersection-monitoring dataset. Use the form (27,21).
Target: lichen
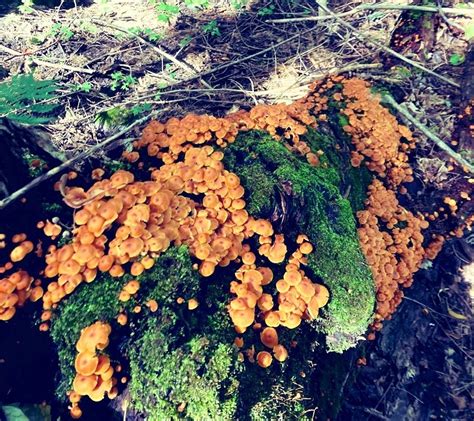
(311,202)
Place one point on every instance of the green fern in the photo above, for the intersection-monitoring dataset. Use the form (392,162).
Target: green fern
(27,100)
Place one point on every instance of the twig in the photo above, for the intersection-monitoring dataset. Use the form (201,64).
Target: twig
(10,51)
(52,172)
(243,59)
(388,49)
(420,126)
(40,62)
(186,67)
(432,9)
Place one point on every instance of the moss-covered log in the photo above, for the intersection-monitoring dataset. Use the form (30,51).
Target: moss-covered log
(300,198)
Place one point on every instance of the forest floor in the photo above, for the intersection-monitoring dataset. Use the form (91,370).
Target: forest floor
(115,61)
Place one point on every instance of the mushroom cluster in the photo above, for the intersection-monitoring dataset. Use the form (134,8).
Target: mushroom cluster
(298,297)
(378,138)
(283,121)
(391,239)
(94,372)
(15,290)
(20,251)
(130,289)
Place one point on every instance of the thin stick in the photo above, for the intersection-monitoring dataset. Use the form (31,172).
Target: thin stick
(430,9)
(40,62)
(186,67)
(420,126)
(52,172)
(387,49)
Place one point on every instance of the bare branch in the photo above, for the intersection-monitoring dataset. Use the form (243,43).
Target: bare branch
(420,126)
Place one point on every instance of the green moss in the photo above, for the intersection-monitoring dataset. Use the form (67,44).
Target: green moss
(261,200)
(310,201)
(171,277)
(192,380)
(89,303)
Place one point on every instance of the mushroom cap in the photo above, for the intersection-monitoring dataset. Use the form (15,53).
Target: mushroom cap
(19,252)
(262,227)
(7,313)
(86,363)
(74,397)
(75,412)
(280,353)
(269,337)
(102,365)
(147,262)
(17,238)
(242,318)
(305,288)
(36,293)
(84,253)
(292,321)
(132,287)
(107,374)
(277,252)
(267,275)
(95,225)
(282,286)
(252,276)
(105,263)
(193,304)
(116,271)
(238,304)
(122,319)
(65,253)
(265,302)
(272,319)
(132,246)
(137,269)
(69,267)
(306,248)
(321,295)
(6,286)
(152,305)
(292,277)
(264,359)
(92,336)
(84,384)
(207,268)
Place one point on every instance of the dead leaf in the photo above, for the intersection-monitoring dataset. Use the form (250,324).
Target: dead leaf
(455,315)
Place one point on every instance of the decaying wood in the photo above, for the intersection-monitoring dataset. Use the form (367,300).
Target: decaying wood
(16,141)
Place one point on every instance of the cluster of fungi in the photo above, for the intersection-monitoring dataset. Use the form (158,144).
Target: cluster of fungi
(298,298)
(94,372)
(122,225)
(19,286)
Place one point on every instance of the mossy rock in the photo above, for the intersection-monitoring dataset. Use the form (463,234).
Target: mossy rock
(299,198)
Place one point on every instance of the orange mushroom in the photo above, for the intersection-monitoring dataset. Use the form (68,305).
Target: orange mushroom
(264,359)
